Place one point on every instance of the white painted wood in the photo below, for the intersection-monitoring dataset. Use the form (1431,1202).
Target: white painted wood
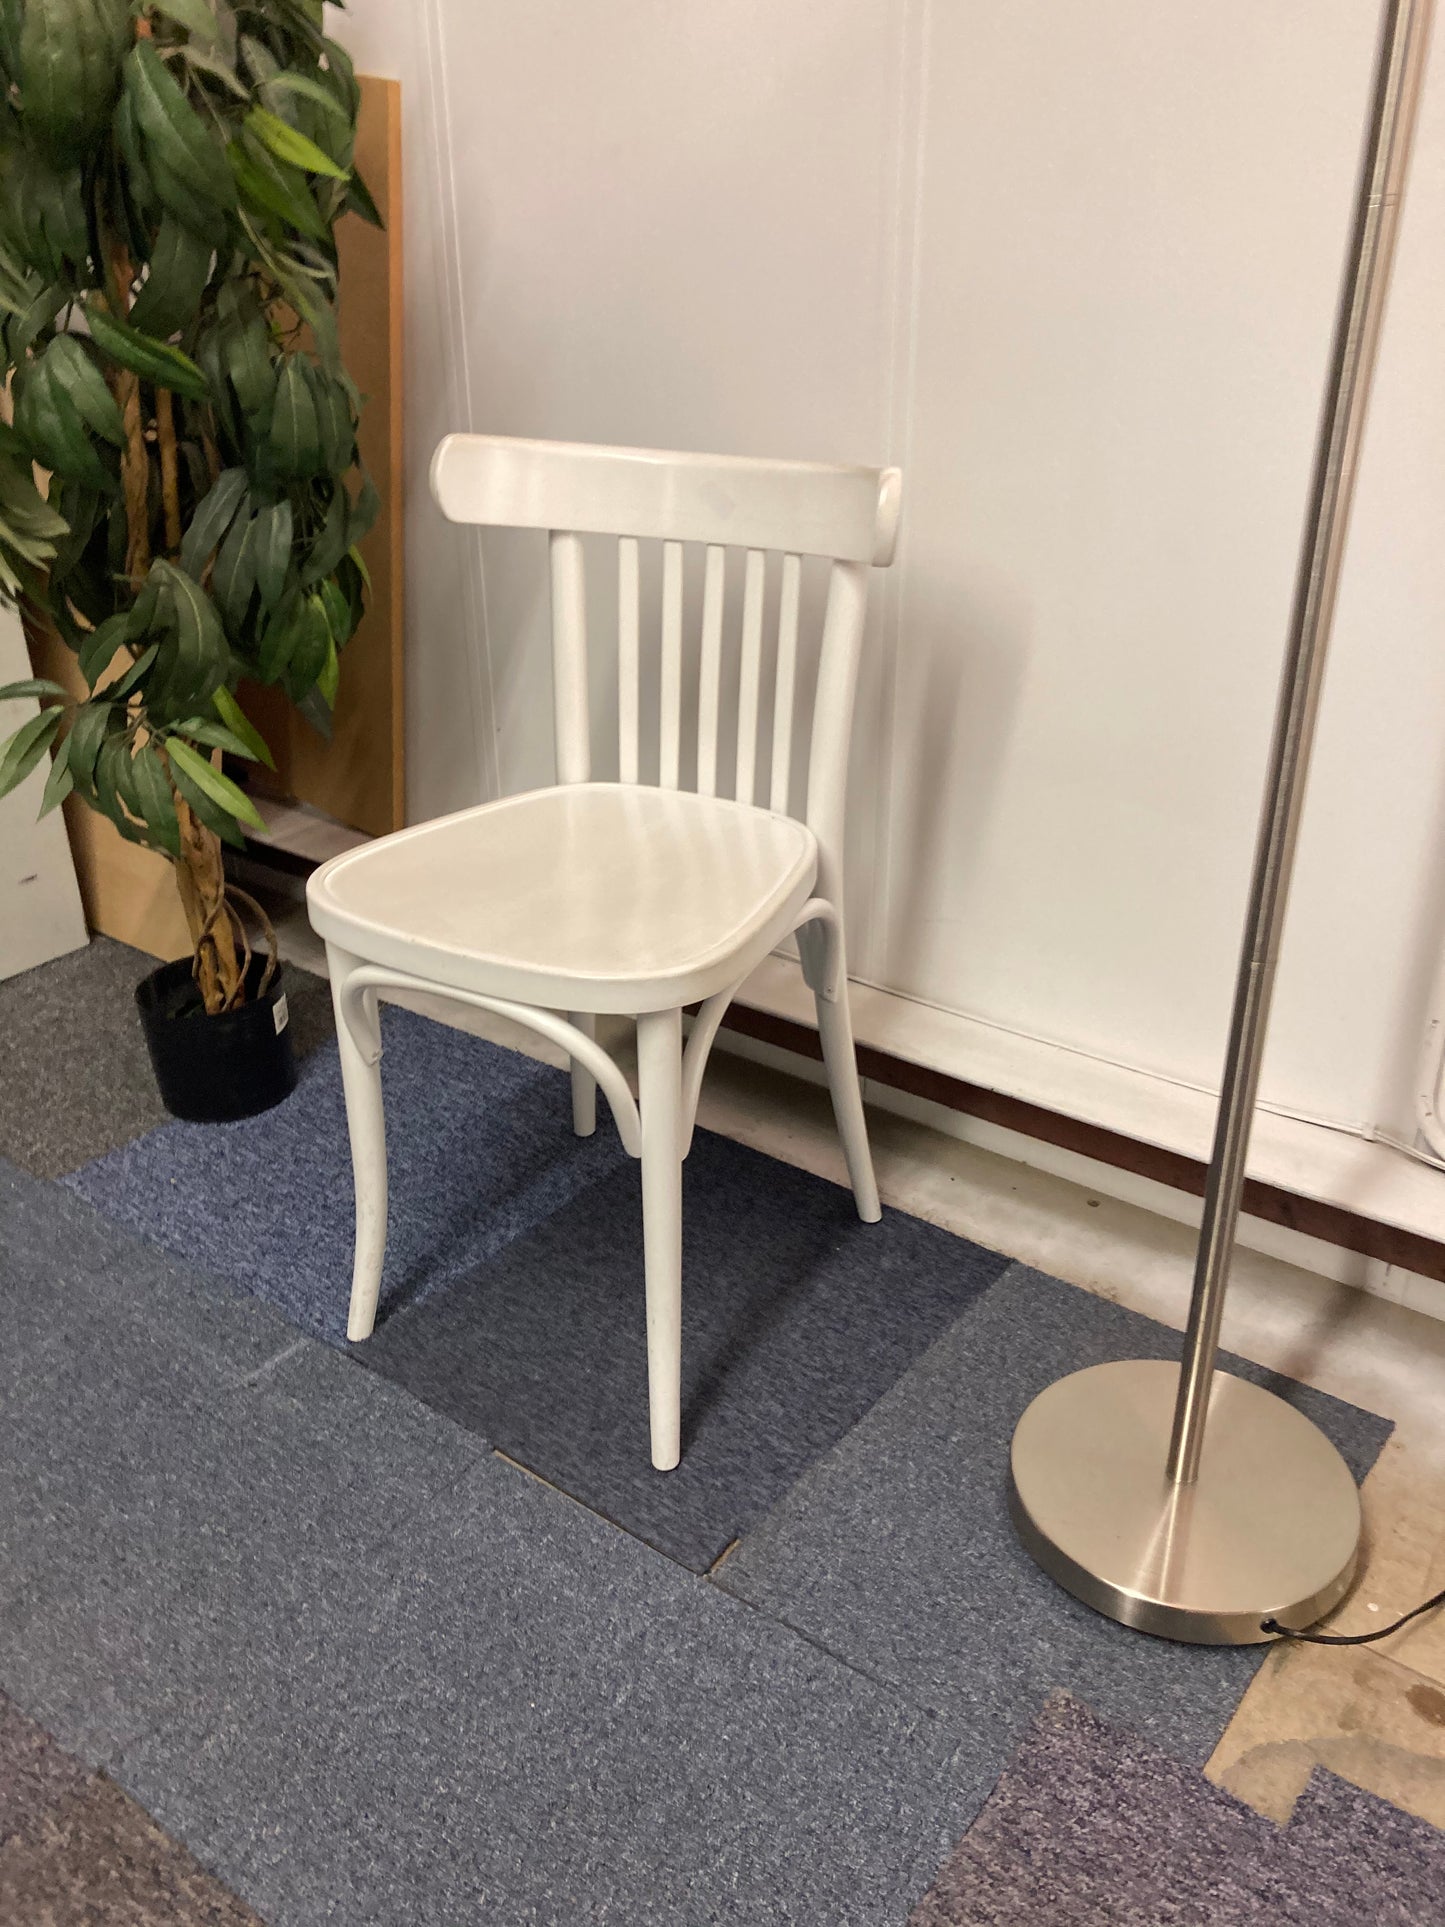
(815,508)
(588,896)
(579,1044)
(584,1084)
(785,683)
(358,1038)
(569,658)
(40,912)
(621,897)
(833,722)
(670,689)
(709,679)
(629,671)
(750,675)
(820,946)
(659,1081)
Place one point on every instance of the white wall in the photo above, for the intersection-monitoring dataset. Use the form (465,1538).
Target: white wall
(1073,263)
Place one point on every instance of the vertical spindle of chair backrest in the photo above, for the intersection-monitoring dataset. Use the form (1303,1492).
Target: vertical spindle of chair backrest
(833,718)
(628,669)
(784,683)
(750,675)
(669,700)
(709,670)
(569,659)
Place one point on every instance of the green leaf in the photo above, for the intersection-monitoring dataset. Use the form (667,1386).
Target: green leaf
(156,805)
(273,551)
(200,729)
(184,154)
(236,719)
(194,15)
(100,646)
(87,733)
(59,783)
(360,561)
(211,520)
(311,648)
(265,188)
(50,423)
(338,612)
(234,577)
(180,267)
(289,145)
(32,686)
(154,360)
(199,659)
(280,638)
(213,782)
(26,747)
(68,68)
(206,810)
(79,377)
(329,544)
(295,432)
(309,89)
(330,676)
(118,690)
(359,201)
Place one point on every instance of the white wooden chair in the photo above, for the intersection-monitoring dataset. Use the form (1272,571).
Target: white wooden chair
(596,897)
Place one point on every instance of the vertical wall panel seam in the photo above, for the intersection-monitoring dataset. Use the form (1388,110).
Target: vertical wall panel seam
(459,380)
(906,271)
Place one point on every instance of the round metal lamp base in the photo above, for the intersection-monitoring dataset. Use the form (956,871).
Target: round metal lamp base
(1270,1531)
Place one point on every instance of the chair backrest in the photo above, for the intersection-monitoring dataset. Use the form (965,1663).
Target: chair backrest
(847,516)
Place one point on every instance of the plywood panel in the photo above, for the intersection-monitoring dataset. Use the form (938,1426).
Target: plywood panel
(357,776)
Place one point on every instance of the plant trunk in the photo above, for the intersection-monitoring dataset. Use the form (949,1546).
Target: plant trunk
(201,880)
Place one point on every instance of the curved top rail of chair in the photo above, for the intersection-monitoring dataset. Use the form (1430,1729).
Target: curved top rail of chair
(802,508)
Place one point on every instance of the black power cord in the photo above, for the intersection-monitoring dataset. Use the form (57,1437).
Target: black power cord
(1351,1639)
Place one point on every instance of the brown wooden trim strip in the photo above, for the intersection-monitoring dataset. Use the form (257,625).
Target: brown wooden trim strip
(1332,1223)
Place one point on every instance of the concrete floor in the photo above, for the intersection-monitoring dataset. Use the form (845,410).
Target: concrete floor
(1375,1716)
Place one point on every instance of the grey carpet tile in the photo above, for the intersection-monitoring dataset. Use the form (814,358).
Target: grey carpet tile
(141,1516)
(366,1671)
(480,1148)
(896,1550)
(517,1713)
(71,1279)
(77,1852)
(77,1080)
(1092,1827)
(796,1317)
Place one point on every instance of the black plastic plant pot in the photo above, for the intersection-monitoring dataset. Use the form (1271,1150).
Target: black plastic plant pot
(212,1070)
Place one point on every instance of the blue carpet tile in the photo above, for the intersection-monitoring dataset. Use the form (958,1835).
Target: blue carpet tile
(896,1550)
(514,1277)
(365,1671)
(1092,1827)
(480,1147)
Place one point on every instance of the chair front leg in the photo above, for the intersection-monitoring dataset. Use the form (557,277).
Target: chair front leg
(659,1079)
(358,1037)
(584,1084)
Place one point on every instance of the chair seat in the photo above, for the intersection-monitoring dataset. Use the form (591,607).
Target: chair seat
(589,897)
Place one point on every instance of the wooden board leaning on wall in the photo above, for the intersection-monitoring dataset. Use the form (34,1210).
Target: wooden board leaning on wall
(358,776)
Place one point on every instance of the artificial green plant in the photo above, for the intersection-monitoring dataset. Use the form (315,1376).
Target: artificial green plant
(179,494)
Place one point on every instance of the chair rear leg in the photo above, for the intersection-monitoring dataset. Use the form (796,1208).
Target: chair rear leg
(659,1078)
(358,1035)
(584,1084)
(820,945)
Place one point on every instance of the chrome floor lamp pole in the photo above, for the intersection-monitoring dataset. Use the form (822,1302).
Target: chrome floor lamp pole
(1184,1501)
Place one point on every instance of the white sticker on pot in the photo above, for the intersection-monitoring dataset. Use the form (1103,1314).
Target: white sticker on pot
(280,1013)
